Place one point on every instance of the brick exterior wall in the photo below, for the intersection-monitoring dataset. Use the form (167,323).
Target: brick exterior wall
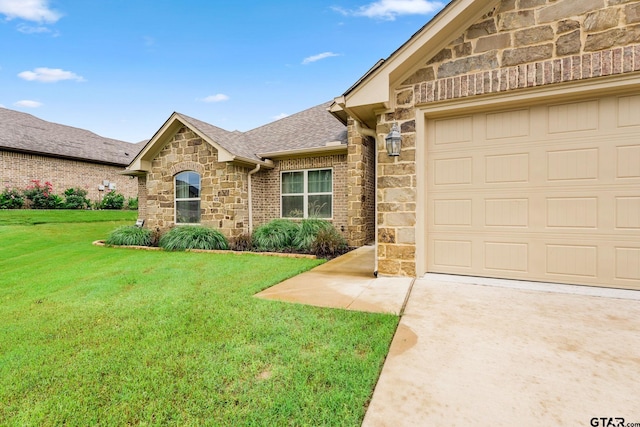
(361,188)
(19,169)
(519,44)
(224,196)
(224,187)
(266,188)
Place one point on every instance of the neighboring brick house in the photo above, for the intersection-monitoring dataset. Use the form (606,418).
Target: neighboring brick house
(520,123)
(296,167)
(67,157)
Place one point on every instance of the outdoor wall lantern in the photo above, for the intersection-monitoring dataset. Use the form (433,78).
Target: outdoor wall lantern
(393,141)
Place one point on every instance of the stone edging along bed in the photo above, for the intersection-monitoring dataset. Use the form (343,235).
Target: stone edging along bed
(213,251)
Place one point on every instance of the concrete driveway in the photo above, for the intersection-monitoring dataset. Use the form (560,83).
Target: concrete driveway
(485,352)
(501,353)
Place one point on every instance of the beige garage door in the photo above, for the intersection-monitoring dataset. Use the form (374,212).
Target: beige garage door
(548,193)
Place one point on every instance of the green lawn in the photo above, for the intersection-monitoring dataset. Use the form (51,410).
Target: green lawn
(103,336)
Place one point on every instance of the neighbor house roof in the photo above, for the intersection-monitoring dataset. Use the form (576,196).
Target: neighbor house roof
(310,131)
(25,133)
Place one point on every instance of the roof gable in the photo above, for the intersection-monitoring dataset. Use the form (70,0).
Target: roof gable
(372,92)
(311,130)
(26,133)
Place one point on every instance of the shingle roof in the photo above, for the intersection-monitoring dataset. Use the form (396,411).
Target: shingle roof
(26,133)
(311,128)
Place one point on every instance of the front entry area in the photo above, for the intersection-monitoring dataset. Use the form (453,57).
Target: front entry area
(547,192)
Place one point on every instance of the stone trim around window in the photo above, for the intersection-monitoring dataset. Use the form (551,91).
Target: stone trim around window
(186,166)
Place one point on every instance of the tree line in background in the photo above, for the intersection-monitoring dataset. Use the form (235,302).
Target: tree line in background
(41,196)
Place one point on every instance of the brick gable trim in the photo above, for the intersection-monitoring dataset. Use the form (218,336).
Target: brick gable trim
(541,73)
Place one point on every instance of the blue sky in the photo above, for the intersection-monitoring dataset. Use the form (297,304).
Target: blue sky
(119,68)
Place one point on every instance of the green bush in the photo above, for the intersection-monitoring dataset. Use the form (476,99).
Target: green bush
(76,198)
(329,243)
(40,196)
(11,199)
(130,235)
(276,235)
(307,232)
(132,203)
(193,237)
(243,242)
(112,200)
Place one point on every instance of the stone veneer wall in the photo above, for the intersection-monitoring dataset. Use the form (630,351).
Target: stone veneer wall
(19,169)
(361,188)
(519,44)
(266,188)
(224,194)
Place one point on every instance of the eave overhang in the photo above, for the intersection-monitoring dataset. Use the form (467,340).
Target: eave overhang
(373,91)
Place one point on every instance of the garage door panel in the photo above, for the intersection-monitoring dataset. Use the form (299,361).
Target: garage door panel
(574,117)
(592,262)
(550,193)
(628,161)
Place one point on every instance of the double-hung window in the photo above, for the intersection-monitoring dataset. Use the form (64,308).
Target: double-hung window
(307,194)
(187,198)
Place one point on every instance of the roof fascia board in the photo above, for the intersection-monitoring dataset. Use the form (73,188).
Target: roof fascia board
(59,156)
(374,89)
(329,149)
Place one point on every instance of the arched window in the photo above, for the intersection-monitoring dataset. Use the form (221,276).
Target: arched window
(187,198)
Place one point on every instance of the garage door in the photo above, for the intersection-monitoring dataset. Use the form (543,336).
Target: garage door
(549,193)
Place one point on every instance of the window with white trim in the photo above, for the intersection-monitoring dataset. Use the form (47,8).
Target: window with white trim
(307,194)
(187,198)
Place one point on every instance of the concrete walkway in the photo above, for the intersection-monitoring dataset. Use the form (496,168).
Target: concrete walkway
(345,282)
(474,351)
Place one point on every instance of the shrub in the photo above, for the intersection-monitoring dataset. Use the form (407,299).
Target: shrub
(243,242)
(75,198)
(307,232)
(193,237)
(329,244)
(41,196)
(132,203)
(130,235)
(11,199)
(112,200)
(276,235)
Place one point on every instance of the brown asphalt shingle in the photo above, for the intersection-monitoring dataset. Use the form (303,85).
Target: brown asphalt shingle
(26,133)
(311,128)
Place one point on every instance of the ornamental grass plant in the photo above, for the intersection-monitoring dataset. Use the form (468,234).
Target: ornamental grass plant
(130,235)
(193,237)
(307,232)
(275,236)
(328,243)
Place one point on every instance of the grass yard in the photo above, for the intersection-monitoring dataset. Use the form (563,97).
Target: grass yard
(104,336)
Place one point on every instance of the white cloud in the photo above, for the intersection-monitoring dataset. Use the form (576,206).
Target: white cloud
(29,10)
(219,97)
(49,75)
(28,104)
(29,29)
(280,116)
(2,106)
(318,57)
(390,9)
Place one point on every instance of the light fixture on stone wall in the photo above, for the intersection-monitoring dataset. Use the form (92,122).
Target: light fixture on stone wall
(393,140)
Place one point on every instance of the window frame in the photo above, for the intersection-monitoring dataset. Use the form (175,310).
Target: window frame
(186,199)
(305,193)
